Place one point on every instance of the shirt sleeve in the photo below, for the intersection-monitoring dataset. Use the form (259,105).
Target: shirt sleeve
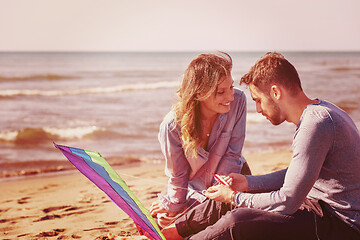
(176,168)
(267,182)
(312,141)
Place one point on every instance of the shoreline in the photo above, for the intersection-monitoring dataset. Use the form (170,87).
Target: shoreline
(18,170)
(32,168)
(69,206)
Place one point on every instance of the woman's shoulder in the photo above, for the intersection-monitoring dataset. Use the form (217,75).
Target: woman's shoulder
(169,120)
(239,96)
(239,93)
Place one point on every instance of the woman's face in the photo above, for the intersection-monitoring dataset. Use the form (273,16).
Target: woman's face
(219,101)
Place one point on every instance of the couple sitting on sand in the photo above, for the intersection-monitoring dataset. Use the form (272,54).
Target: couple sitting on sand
(316,197)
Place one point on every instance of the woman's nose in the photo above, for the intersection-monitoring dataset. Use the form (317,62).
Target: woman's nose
(230,96)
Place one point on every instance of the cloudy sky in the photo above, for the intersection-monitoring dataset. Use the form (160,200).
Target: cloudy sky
(179,25)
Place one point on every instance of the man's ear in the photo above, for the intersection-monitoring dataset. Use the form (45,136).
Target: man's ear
(275,92)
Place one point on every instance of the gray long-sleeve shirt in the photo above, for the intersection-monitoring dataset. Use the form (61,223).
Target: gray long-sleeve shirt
(325,166)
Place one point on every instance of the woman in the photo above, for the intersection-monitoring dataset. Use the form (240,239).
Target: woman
(203,134)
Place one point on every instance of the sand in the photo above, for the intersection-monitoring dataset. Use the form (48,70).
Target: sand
(69,206)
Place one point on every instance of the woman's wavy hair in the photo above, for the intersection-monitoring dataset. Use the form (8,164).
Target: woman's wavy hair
(201,79)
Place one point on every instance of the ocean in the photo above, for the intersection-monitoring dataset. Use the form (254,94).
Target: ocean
(113,103)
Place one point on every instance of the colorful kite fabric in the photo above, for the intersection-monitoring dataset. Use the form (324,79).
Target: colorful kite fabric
(95,167)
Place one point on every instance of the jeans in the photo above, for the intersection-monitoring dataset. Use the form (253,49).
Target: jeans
(215,220)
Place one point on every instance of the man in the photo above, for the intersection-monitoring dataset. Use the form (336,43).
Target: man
(316,197)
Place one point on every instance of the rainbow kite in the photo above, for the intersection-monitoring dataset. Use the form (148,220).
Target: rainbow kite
(95,167)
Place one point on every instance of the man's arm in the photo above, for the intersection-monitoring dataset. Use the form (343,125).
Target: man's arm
(312,141)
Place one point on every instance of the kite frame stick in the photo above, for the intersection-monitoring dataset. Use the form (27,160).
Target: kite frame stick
(221,180)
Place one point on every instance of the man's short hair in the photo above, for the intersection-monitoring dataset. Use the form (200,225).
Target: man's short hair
(271,69)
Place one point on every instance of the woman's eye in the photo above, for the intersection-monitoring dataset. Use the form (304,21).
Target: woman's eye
(220,93)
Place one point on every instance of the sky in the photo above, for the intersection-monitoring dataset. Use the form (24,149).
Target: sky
(179,25)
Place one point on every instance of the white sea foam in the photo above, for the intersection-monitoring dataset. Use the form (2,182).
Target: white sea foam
(95,90)
(8,135)
(61,133)
(72,133)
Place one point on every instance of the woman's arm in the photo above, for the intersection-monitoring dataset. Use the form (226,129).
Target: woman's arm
(176,167)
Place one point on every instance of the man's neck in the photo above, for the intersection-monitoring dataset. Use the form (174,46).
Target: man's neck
(296,106)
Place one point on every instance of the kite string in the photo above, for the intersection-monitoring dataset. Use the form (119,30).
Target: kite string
(164,184)
(159,183)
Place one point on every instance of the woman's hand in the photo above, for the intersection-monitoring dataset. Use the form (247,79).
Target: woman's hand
(220,193)
(156,207)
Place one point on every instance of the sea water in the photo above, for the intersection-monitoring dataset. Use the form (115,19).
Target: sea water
(113,103)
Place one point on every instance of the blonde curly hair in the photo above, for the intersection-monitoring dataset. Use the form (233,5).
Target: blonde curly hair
(200,80)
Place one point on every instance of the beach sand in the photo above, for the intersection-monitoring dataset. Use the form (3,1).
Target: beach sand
(69,206)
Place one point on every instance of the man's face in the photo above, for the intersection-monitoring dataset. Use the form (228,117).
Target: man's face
(266,106)
(219,101)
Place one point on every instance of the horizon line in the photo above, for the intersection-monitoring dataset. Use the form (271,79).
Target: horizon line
(180,51)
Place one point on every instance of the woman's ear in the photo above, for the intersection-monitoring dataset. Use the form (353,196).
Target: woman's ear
(202,96)
(275,92)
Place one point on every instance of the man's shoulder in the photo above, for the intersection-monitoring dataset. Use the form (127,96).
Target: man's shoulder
(324,110)
(317,115)
(317,111)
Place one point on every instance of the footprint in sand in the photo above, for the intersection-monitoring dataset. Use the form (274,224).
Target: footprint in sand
(86,198)
(52,233)
(48,217)
(153,194)
(112,223)
(23,200)
(48,186)
(51,209)
(63,211)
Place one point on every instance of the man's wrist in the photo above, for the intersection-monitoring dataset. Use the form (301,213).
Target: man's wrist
(232,198)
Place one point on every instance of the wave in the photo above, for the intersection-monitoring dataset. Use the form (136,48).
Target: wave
(345,68)
(254,117)
(348,105)
(95,90)
(33,136)
(48,77)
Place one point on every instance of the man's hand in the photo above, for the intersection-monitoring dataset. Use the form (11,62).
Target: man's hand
(219,193)
(238,182)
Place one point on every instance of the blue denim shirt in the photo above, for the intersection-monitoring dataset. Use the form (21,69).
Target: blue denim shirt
(189,176)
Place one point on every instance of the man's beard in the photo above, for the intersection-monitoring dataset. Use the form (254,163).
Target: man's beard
(275,114)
